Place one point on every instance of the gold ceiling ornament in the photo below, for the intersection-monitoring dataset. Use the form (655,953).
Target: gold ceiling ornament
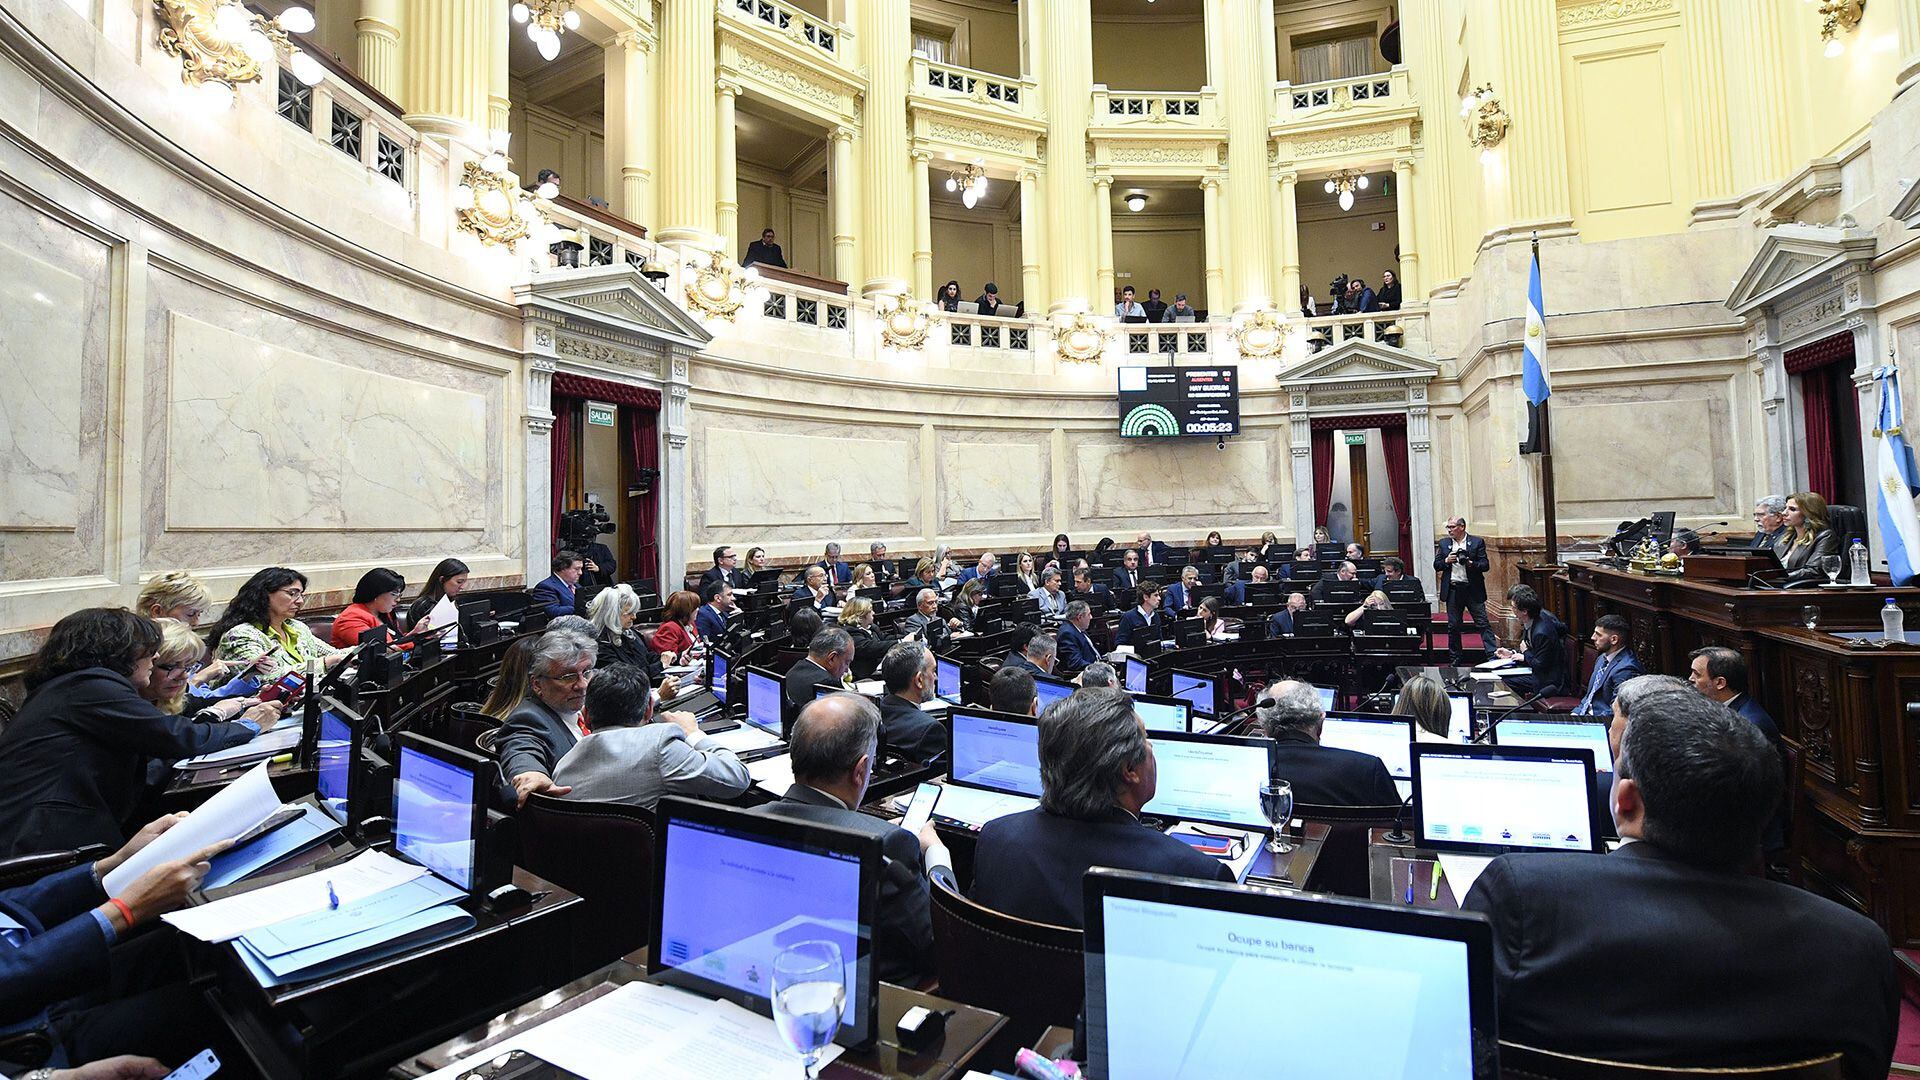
(1081,340)
(718,290)
(1839,17)
(902,326)
(1262,335)
(1487,119)
(221,44)
(545,21)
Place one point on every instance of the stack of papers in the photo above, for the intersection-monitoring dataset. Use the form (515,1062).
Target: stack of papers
(237,863)
(774,774)
(743,739)
(659,1032)
(261,747)
(229,917)
(233,810)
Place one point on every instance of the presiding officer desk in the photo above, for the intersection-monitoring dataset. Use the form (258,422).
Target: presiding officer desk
(1848,710)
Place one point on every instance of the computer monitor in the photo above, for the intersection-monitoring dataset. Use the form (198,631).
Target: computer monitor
(1181,976)
(717,663)
(1135,675)
(763,701)
(995,749)
(1567,733)
(440,808)
(947,678)
(1385,737)
(1210,778)
(337,754)
(1460,725)
(786,881)
(1327,696)
(1164,713)
(1493,799)
(1202,690)
(1048,690)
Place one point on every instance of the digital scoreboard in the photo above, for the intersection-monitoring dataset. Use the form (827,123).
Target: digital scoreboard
(1162,402)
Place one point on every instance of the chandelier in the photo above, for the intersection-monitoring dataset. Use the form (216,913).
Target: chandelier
(1345,184)
(970,182)
(1839,17)
(545,21)
(221,44)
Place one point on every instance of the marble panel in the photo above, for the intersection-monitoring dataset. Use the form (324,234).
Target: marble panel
(330,446)
(1117,479)
(1658,447)
(816,476)
(985,479)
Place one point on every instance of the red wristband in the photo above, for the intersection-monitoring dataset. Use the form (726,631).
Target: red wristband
(125,911)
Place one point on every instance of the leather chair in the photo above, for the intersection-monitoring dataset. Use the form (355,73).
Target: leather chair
(1032,973)
(1342,867)
(602,853)
(1847,523)
(1520,1062)
(1577,655)
(26,869)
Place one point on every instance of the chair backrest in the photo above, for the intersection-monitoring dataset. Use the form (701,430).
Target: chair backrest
(1521,1062)
(1342,866)
(26,869)
(1032,973)
(1847,522)
(602,853)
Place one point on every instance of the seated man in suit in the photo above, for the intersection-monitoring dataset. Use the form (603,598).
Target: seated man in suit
(989,562)
(711,619)
(912,679)
(1011,691)
(1098,673)
(1096,772)
(1281,622)
(1345,572)
(838,572)
(1154,307)
(1143,619)
(1053,599)
(1545,652)
(1083,582)
(1769,522)
(1302,556)
(1291,715)
(1037,657)
(1733,969)
(635,756)
(545,725)
(1127,577)
(555,594)
(1720,673)
(1178,600)
(70,970)
(1393,568)
(884,571)
(813,591)
(835,745)
(725,568)
(926,621)
(1076,649)
(1256,574)
(1615,665)
(829,658)
(1152,552)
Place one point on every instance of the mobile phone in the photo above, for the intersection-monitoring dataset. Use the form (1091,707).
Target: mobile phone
(921,808)
(286,815)
(199,1067)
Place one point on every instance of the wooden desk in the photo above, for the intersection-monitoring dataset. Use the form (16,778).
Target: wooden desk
(968,1030)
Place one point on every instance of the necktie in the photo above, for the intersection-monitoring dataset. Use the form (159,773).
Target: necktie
(1593,687)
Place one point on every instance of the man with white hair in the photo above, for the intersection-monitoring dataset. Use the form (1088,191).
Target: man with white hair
(545,725)
(1321,775)
(1769,521)
(989,562)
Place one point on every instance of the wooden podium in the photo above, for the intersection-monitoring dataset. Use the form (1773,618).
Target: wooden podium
(1732,568)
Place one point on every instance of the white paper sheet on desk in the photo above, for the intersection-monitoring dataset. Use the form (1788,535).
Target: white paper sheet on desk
(1490,676)
(773,774)
(1496,662)
(233,810)
(232,916)
(264,745)
(1463,870)
(658,1032)
(446,614)
(744,738)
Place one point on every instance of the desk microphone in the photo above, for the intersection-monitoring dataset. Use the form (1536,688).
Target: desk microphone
(1399,833)
(1486,733)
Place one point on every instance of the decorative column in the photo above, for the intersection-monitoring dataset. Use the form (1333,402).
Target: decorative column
(1707,100)
(726,181)
(840,191)
(1908,14)
(496,24)
(1419,484)
(377,45)
(1032,236)
(1066,89)
(922,226)
(537,424)
(1216,275)
(1103,241)
(447,61)
(687,100)
(1422,27)
(1763,155)
(887,222)
(1286,239)
(676,470)
(1529,84)
(626,103)
(1411,286)
(1248,97)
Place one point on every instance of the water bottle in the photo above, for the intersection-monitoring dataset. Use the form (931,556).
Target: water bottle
(1858,553)
(1893,622)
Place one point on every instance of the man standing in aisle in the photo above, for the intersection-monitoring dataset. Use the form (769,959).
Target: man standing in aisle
(1461,562)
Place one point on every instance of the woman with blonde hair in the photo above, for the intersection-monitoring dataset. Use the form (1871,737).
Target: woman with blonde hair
(860,577)
(869,645)
(510,685)
(175,595)
(180,651)
(1375,601)
(1807,539)
(1425,700)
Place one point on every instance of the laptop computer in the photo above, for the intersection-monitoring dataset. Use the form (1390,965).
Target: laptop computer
(1209,778)
(1489,800)
(1203,691)
(1047,690)
(1164,713)
(995,770)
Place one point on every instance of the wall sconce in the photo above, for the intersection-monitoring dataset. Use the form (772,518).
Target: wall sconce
(1487,120)
(718,290)
(545,21)
(1136,202)
(1262,335)
(1082,340)
(220,44)
(902,326)
(490,205)
(1839,17)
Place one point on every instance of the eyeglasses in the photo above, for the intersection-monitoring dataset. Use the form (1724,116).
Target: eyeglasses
(171,668)
(292,592)
(570,678)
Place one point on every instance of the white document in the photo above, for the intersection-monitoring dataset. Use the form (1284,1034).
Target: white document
(1489,676)
(659,1032)
(742,739)
(1462,871)
(1496,662)
(446,614)
(233,810)
(223,920)
(282,738)
(774,774)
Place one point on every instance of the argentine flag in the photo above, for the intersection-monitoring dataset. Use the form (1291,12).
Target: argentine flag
(1897,480)
(1533,371)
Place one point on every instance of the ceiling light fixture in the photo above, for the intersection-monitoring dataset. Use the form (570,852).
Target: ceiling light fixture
(1136,201)
(1344,184)
(970,182)
(221,44)
(545,21)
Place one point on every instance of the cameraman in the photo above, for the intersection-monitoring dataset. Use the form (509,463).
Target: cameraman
(580,531)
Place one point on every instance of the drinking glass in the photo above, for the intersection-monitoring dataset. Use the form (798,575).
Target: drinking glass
(1810,616)
(1276,801)
(1831,564)
(809,993)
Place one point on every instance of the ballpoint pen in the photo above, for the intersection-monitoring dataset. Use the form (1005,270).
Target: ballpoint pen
(333,898)
(1433,882)
(1409,883)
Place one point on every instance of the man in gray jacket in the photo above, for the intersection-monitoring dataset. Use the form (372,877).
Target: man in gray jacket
(633,756)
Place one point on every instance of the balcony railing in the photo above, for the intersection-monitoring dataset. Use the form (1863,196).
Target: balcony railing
(991,332)
(345,113)
(790,21)
(607,239)
(1406,329)
(1112,108)
(1388,89)
(953,81)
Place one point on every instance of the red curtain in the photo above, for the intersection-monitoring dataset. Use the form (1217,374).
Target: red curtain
(643,425)
(1816,395)
(580,386)
(566,412)
(1393,443)
(1322,478)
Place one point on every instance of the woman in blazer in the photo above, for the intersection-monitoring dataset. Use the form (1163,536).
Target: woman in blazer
(373,602)
(264,620)
(676,635)
(1807,539)
(612,612)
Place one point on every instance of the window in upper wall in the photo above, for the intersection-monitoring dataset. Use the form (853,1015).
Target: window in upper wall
(1346,54)
(936,43)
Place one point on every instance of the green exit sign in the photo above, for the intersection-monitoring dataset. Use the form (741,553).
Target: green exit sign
(1356,438)
(600,414)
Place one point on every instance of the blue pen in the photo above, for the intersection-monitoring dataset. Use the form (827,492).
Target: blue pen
(1409,883)
(333,898)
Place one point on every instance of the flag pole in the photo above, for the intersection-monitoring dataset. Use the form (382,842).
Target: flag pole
(1546,450)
